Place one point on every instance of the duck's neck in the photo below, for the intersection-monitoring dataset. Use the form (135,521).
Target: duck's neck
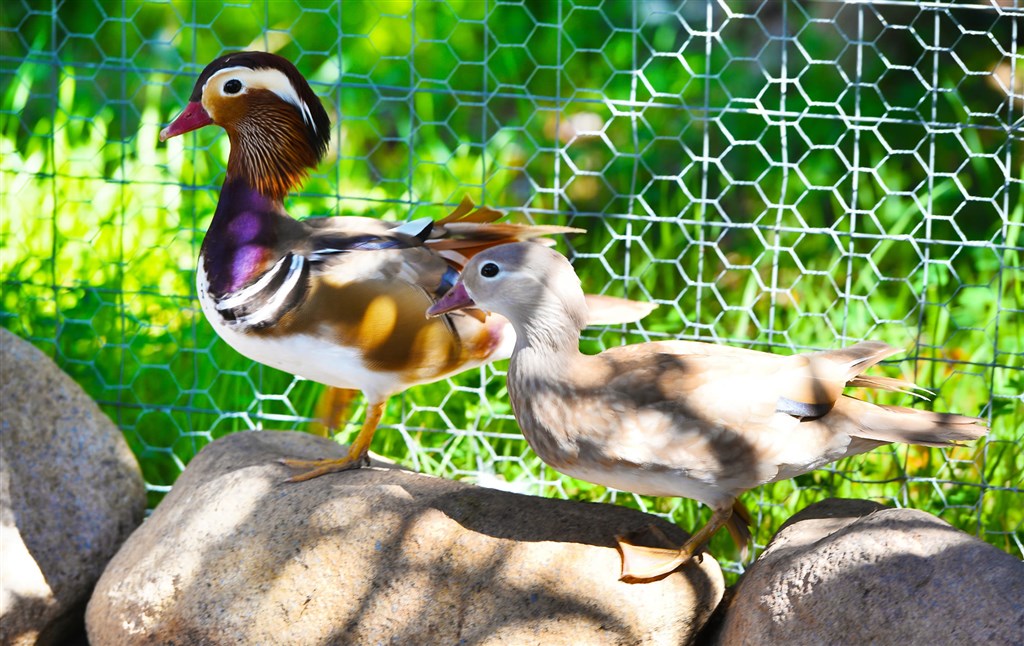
(243,235)
(550,331)
(270,150)
(270,155)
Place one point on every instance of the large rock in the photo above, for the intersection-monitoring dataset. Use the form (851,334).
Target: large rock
(70,493)
(379,555)
(853,571)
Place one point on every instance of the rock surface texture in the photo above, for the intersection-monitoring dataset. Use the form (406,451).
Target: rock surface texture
(70,494)
(380,555)
(855,572)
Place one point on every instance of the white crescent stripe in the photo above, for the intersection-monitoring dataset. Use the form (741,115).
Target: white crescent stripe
(307,116)
(271,307)
(250,292)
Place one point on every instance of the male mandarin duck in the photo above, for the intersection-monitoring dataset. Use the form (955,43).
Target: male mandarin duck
(678,418)
(338,300)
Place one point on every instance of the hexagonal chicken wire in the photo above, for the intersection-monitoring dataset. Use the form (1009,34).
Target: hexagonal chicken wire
(785,175)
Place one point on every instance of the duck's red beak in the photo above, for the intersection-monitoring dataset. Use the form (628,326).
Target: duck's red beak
(456,299)
(193,117)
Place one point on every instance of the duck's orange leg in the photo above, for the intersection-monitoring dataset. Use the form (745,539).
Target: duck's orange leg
(333,410)
(357,451)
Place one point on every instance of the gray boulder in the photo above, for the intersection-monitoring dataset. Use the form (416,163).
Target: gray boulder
(235,555)
(70,494)
(855,572)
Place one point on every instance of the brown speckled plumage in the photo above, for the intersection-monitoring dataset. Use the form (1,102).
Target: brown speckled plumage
(678,418)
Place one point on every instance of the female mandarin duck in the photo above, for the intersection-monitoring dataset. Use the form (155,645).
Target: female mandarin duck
(337,300)
(678,418)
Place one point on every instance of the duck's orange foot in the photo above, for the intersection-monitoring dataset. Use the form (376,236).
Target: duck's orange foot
(357,456)
(317,468)
(642,563)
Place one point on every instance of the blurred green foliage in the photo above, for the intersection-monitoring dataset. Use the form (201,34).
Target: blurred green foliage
(777,185)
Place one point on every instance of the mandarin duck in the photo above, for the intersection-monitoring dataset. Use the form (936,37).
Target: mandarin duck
(678,418)
(337,300)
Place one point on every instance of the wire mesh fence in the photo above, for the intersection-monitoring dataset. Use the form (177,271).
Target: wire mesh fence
(782,175)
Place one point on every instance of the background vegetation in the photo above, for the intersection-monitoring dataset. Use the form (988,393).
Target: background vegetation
(783,175)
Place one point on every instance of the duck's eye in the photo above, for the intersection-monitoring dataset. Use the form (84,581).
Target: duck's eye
(234,86)
(490,270)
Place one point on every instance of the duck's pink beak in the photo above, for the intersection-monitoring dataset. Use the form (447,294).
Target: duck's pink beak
(193,117)
(456,299)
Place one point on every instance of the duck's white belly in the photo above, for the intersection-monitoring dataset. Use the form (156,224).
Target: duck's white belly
(662,484)
(305,355)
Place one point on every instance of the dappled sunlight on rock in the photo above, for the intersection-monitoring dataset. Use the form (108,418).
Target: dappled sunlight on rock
(378,554)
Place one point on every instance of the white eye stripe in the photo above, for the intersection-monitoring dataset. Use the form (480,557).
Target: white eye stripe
(266,79)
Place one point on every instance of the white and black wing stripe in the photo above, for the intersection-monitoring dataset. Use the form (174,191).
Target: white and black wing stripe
(263,302)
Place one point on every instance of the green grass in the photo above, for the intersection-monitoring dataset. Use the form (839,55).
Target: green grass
(102,224)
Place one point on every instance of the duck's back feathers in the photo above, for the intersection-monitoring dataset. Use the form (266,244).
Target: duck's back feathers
(804,385)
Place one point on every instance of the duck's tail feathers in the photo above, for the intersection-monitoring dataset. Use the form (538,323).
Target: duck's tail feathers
(909,425)
(467,231)
(857,358)
(891,383)
(465,212)
(891,423)
(473,237)
(611,310)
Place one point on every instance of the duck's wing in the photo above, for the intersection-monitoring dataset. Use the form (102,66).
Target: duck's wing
(344,250)
(371,282)
(368,285)
(422,252)
(429,254)
(728,417)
